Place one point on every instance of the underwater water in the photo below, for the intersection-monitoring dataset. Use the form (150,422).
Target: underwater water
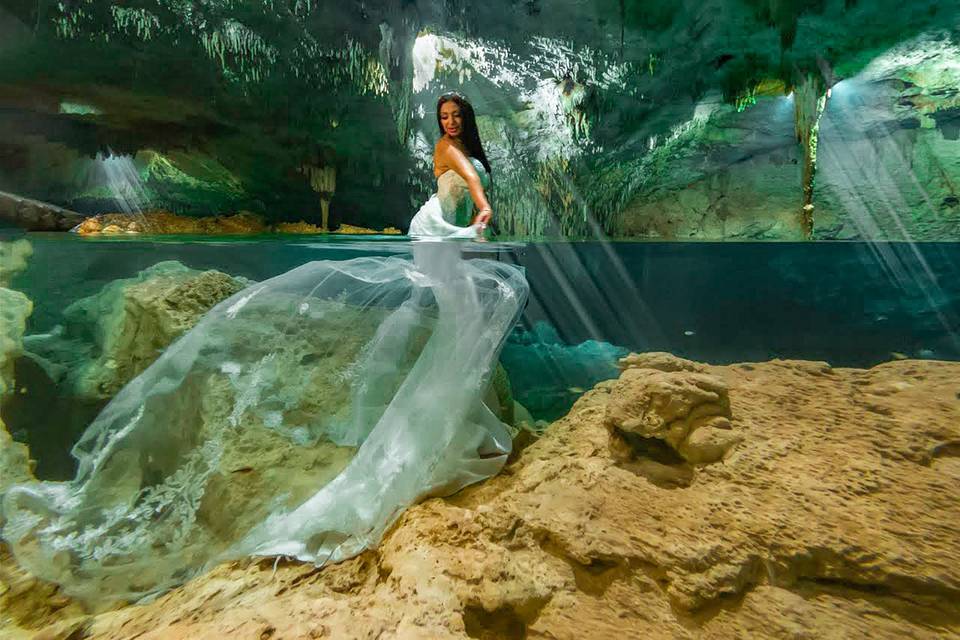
(851,304)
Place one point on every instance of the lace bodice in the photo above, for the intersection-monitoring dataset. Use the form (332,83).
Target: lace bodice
(455,200)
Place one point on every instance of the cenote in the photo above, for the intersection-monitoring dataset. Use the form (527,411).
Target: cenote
(438,319)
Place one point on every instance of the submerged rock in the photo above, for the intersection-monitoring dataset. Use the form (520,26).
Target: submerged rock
(15,463)
(110,337)
(237,435)
(688,412)
(550,374)
(659,361)
(834,516)
(30,605)
(13,259)
(15,308)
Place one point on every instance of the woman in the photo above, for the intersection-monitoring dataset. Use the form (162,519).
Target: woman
(461,168)
(299,417)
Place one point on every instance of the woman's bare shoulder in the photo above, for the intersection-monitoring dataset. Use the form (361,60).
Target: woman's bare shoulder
(447,148)
(445,144)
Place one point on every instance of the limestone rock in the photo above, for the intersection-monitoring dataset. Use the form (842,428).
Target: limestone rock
(658,360)
(15,464)
(31,605)
(163,223)
(672,406)
(355,230)
(13,259)
(15,308)
(834,517)
(500,396)
(111,337)
(245,442)
(34,215)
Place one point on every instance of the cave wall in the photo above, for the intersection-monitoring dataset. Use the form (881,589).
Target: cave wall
(624,119)
(888,162)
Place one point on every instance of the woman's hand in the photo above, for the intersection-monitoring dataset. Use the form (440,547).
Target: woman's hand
(480,221)
(483,217)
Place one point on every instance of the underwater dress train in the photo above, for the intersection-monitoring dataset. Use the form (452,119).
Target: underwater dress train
(299,417)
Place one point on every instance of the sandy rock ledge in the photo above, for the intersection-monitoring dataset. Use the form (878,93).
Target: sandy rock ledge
(778,500)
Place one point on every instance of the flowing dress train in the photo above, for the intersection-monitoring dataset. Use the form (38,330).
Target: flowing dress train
(299,417)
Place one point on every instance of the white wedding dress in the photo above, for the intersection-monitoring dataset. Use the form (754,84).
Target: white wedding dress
(299,417)
(447,213)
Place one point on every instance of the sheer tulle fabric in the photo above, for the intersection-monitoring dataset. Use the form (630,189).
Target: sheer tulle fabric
(299,417)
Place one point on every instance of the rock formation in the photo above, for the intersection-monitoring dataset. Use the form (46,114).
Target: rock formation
(323,180)
(13,259)
(15,308)
(36,216)
(572,369)
(826,509)
(639,119)
(164,222)
(809,101)
(109,338)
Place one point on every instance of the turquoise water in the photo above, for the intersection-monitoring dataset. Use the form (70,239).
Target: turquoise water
(850,304)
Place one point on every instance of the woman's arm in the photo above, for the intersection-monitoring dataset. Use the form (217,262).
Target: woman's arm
(458,161)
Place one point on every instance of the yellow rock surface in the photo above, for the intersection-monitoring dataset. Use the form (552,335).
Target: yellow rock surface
(832,514)
(164,222)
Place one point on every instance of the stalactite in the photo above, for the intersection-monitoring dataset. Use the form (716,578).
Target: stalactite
(400,102)
(520,207)
(144,23)
(323,180)
(613,186)
(810,98)
(241,54)
(623,20)
(396,52)
(234,43)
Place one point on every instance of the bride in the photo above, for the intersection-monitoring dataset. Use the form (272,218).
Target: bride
(298,417)
(456,157)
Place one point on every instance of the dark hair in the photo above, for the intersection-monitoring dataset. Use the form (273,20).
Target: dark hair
(470,136)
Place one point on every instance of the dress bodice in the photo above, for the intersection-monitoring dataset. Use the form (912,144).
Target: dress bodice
(454,195)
